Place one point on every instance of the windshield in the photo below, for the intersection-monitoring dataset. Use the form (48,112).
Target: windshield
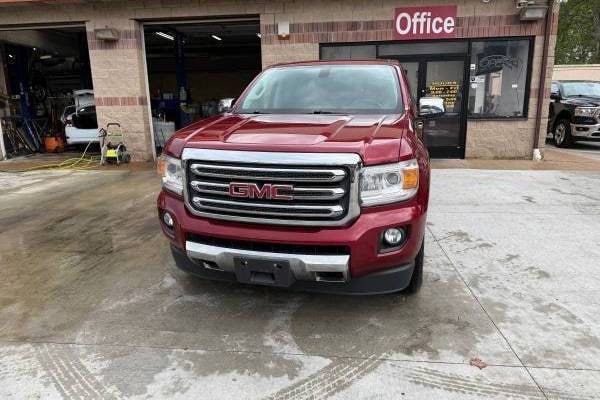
(325,89)
(588,89)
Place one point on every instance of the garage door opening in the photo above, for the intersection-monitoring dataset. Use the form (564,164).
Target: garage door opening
(192,65)
(45,88)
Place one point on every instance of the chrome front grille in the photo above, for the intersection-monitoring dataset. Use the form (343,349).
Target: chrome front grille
(299,193)
(312,188)
(267,173)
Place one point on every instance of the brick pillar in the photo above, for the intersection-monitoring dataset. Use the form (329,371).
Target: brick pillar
(549,72)
(120,83)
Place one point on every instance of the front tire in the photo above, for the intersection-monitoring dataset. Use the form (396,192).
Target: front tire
(562,134)
(416,281)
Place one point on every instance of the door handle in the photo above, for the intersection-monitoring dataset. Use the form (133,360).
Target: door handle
(420,125)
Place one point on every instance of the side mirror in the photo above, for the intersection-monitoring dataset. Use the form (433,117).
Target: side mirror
(225,105)
(431,107)
(555,96)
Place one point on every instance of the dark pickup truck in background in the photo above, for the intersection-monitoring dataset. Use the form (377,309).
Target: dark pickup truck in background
(574,112)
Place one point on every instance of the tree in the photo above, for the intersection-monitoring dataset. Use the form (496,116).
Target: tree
(578,40)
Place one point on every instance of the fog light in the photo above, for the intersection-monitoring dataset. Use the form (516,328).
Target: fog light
(168,220)
(393,236)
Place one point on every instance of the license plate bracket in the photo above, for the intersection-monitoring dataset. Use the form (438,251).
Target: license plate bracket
(263,271)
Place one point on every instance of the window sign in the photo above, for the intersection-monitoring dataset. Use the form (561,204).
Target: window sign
(447,90)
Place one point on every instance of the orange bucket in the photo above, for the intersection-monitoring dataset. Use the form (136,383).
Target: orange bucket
(54,144)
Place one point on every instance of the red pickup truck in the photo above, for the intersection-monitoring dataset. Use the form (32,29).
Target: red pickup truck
(317,179)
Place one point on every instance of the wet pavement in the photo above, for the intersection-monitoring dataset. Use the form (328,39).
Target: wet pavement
(92,306)
(582,150)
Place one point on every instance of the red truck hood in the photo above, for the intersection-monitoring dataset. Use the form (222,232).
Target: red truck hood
(376,138)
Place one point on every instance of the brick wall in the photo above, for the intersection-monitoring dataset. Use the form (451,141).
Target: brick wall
(118,75)
(118,68)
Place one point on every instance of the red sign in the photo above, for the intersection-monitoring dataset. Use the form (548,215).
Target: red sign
(425,22)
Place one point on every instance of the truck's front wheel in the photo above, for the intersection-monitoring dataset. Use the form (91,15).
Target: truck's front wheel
(416,281)
(562,134)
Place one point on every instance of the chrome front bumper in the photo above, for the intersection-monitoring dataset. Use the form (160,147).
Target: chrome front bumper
(305,267)
(585,131)
(387,281)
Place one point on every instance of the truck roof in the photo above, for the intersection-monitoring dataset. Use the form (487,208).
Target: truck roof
(339,62)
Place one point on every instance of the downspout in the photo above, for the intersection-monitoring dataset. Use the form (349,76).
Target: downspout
(537,155)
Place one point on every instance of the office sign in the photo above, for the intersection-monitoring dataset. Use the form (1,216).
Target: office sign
(411,23)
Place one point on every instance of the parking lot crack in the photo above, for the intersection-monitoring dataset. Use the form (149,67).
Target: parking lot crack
(476,298)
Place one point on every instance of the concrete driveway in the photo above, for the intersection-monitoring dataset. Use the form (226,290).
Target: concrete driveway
(589,151)
(91,305)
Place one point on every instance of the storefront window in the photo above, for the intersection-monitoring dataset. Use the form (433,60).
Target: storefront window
(348,52)
(498,78)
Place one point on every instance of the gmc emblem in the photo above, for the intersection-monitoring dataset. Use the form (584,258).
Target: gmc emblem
(267,191)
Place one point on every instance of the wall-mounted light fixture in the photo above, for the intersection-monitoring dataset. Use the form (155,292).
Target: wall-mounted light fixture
(107,34)
(283,30)
(533,13)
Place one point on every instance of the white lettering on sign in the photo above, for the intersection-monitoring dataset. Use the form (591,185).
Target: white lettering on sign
(436,25)
(425,22)
(449,25)
(399,28)
(422,23)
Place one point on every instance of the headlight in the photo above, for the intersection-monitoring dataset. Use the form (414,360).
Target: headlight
(389,183)
(587,111)
(172,174)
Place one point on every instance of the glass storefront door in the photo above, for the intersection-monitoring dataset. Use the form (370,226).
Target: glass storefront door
(412,73)
(433,76)
(445,79)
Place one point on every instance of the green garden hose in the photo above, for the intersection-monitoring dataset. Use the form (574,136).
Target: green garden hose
(79,163)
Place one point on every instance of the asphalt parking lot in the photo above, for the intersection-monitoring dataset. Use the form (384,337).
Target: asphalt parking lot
(91,305)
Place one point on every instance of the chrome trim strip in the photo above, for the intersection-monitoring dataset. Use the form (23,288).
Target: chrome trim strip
(351,161)
(328,193)
(197,186)
(229,172)
(264,157)
(287,209)
(303,266)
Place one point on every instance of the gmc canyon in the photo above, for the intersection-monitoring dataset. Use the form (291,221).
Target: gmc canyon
(317,179)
